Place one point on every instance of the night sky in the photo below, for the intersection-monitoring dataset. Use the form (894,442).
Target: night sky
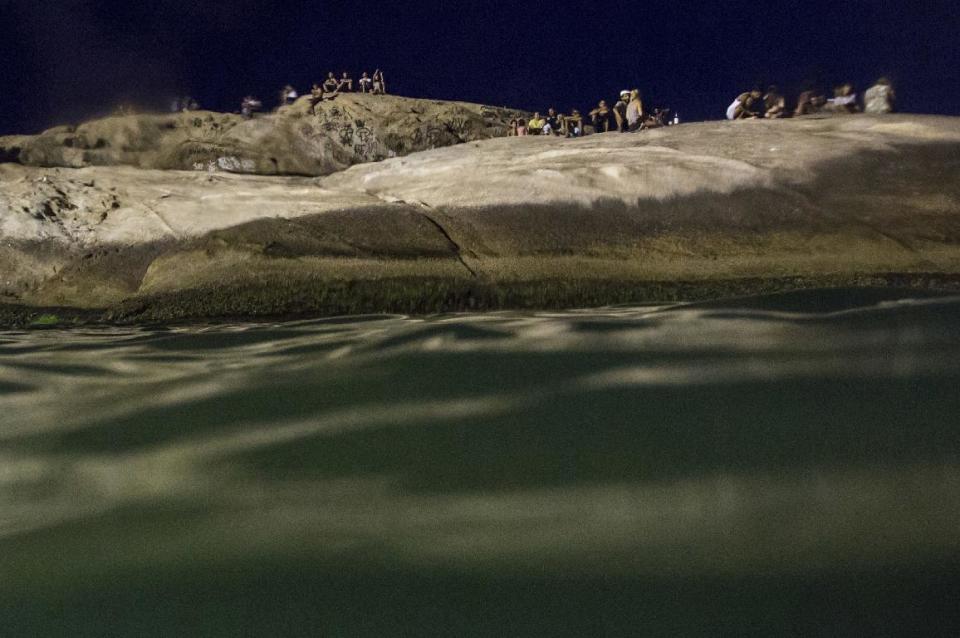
(67,60)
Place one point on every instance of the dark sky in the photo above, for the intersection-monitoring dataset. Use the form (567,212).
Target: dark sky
(66,60)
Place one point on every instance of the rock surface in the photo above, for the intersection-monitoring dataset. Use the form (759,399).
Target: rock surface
(296,140)
(696,211)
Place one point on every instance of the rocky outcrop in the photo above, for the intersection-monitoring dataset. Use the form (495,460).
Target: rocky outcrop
(696,211)
(296,140)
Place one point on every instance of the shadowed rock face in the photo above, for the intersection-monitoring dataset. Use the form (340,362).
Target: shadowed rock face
(692,212)
(296,140)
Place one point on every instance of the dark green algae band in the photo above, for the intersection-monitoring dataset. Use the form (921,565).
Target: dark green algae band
(417,296)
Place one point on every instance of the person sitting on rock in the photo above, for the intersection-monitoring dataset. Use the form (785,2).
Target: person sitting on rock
(747,106)
(601,117)
(844,99)
(249,105)
(521,128)
(657,119)
(330,85)
(366,84)
(554,122)
(536,124)
(316,97)
(345,85)
(620,111)
(879,98)
(288,95)
(810,102)
(634,113)
(379,84)
(573,124)
(774,104)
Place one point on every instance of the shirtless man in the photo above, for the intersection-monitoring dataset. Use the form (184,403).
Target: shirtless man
(330,85)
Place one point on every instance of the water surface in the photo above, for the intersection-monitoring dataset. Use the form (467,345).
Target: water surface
(768,466)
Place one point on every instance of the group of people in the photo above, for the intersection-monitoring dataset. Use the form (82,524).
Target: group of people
(626,116)
(184,105)
(329,89)
(771,104)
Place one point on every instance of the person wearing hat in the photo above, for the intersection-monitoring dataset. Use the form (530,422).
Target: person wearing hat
(620,111)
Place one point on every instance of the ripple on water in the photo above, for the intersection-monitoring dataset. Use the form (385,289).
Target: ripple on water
(758,439)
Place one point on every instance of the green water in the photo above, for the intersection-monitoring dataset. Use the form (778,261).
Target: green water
(773,466)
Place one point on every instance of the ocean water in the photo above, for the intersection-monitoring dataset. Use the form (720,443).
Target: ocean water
(784,465)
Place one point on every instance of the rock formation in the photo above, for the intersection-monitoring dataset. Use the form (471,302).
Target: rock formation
(695,211)
(296,140)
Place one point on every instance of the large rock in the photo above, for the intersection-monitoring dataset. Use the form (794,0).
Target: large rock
(296,140)
(700,210)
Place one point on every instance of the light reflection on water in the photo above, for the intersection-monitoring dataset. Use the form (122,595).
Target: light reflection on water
(724,443)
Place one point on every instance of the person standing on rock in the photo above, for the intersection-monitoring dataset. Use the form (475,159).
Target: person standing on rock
(634,111)
(379,84)
(620,111)
(879,98)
